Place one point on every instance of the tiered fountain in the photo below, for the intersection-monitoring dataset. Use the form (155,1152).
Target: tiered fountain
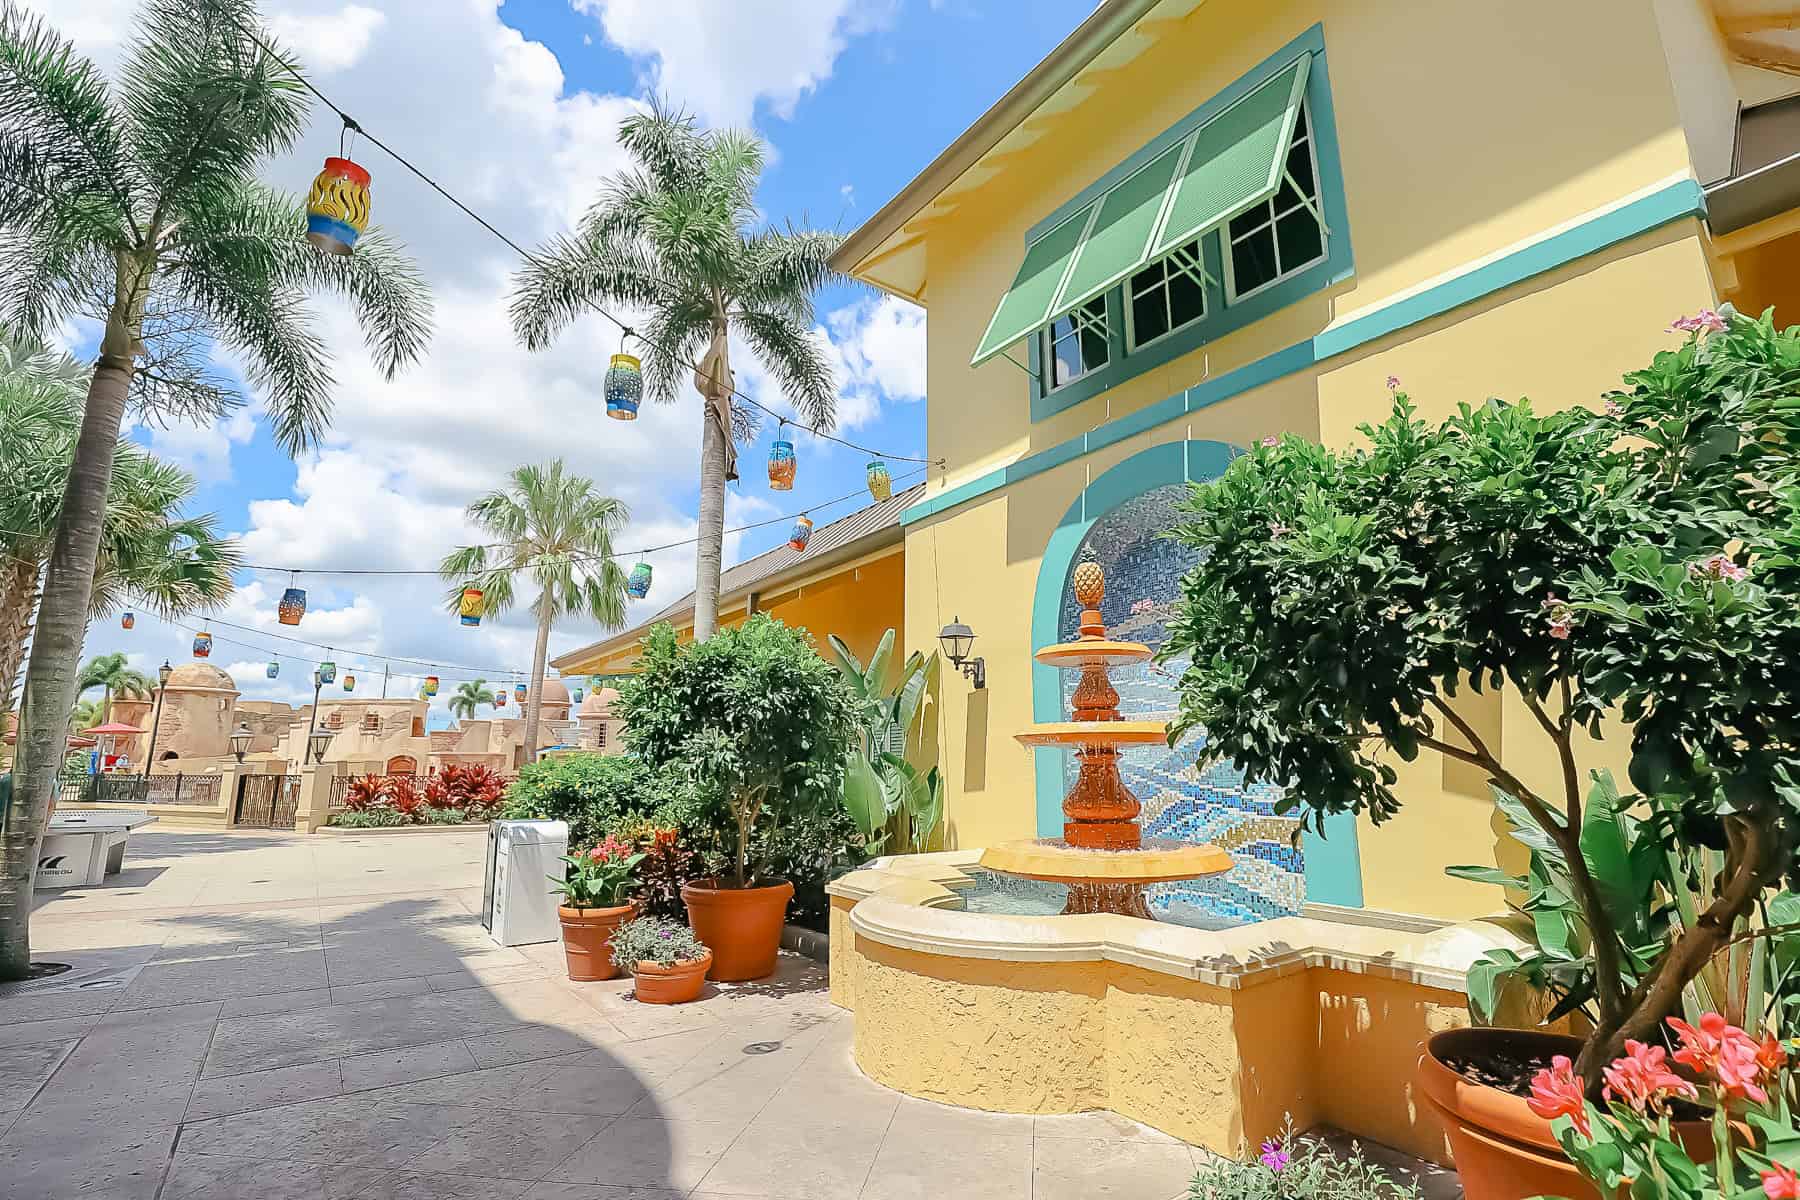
(1102,855)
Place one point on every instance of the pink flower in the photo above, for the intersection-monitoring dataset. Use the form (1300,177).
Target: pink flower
(1643,1080)
(1277,529)
(1275,1157)
(1780,1183)
(1555,1092)
(1706,319)
(1393,382)
(1146,605)
(1614,408)
(1718,566)
(1271,441)
(1723,1051)
(1560,616)
(597,854)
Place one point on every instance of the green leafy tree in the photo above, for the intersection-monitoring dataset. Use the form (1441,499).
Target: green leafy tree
(675,238)
(469,696)
(150,555)
(1641,561)
(756,718)
(555,529)
(138,207)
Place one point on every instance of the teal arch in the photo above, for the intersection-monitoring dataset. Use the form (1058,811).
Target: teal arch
(1333,866)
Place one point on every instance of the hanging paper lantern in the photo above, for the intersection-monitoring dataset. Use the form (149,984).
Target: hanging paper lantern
(274,669)
(337,210)
(802,533)
(202,645)
(637,584)
(431,685)
(881,485)
(624,387)
(521,691)
(782,466)
(500,699)
(349,681)
(292,606)
(128,620)
(472,606)
(576,695)
(327,672)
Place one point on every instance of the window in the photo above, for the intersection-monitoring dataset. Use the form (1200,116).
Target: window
(1166,295)
(1285,233)
(1075,344)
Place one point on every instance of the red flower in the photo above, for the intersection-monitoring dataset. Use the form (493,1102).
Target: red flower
(1771,1056)
(1723,1051)
(1780,1183)
(597,854)
(1555,1092)
(1643,1080)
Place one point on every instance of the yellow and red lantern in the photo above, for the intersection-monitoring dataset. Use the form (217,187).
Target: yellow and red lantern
(337,210)
(472,605)
(802,534)
(782,466)
(431,685)
(500,698)
(349,681)
(520,691)
(202,644)
(128,620)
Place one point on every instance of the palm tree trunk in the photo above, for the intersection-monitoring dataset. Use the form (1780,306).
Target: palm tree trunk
(18,596)
(534,690)
(50,677)
(709,553)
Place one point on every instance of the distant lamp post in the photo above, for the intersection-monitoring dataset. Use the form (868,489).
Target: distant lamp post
(957,640)
(320,679)
(240,740)
(317,741)
(162,677)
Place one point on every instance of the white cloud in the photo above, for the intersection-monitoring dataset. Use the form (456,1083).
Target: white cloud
(203,449)
(720,59)
(328,41)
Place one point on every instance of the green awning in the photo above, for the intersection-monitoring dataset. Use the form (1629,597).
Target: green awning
(1233,161)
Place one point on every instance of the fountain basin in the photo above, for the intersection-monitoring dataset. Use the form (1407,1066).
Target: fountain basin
(1151,862)
(1100,652)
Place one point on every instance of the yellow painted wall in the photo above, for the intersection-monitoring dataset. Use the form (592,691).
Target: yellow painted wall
(1454,123)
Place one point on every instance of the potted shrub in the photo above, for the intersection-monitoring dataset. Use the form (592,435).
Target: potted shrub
(667,960)
(1641,562)
(594,905)
(761,725)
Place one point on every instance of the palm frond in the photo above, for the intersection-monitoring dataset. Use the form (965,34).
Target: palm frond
(799,364)
(786,268)
(667,143)
(572,275)
(386,290)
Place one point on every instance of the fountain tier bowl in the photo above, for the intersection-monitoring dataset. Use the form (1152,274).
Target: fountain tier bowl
(1152,862)
(1094,733)
(1096,652)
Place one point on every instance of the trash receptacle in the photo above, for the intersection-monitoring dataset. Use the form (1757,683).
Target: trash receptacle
(524,860)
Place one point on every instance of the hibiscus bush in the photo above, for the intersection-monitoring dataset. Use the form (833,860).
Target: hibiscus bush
(1640,561)
(1741,1086)
(599,877)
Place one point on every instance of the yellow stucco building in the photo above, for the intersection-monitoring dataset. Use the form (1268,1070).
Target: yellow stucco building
(1199,224)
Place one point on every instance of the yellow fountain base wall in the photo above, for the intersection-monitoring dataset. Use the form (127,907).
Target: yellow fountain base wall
(1221,1067)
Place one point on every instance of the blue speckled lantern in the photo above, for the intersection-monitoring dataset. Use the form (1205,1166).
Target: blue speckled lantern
(624,387)
(782,466)
(202,645)
(637,584)
(802,534)
(274,669)
(327,672)
(520,691)
(292,606)
(576,695)
(128,620)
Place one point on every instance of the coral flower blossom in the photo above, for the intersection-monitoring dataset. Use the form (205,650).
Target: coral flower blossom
(1706,319)
(1771,1056)
(1643,1080)
(1723,1051)
(1780,1183)
(1556,1092)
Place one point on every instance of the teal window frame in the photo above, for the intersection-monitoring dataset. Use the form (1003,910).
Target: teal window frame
(1222,315)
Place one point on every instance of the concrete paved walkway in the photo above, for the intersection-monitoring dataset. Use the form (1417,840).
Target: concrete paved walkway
(263,1016)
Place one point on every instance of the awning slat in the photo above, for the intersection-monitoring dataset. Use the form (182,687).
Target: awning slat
(1026,304)
(1119,242)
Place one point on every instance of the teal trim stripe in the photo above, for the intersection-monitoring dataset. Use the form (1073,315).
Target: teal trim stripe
(1333,863)
(1675,202)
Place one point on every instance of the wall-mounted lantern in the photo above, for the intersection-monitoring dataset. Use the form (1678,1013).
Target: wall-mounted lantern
(957,640)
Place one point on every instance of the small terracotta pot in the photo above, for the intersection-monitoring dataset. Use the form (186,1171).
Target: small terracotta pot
(587,940)
(1503,1150)
(741,926)
(674,984)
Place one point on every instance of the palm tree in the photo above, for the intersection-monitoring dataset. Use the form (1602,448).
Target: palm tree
(110,672)
(673,238)
(470,695)
(558,529)
(139,207)
(85,714)
(149,555)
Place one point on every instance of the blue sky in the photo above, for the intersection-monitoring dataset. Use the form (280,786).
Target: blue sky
(514,110)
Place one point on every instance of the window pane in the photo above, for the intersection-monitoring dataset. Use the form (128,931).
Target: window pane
(1300,240)
(1187,301)
(1149,316)
(1147,278)
(1253,260)
(1249,219)
(1286,198)
(1061,328)
(1299,165)
(1065,362)
(1093,346)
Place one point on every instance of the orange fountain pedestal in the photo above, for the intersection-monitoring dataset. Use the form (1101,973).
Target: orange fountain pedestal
(1101,856)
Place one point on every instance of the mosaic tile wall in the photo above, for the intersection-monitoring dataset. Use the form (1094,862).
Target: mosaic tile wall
(1181,801)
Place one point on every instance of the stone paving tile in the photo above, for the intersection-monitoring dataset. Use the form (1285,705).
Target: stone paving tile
(1104,1169)
(403,1066)
(510,1143)
(803,1162)
(221,978)
(648,1153)
(580,1088)
(489,1087)
(122,1166)
(261,1090)
(23,1069)
(968,1166)
(600,1191)
(350,993)
(524,1043)
(276,1002)
(33,1033)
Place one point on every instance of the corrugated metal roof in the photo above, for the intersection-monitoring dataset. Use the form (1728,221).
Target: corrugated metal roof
(848,537)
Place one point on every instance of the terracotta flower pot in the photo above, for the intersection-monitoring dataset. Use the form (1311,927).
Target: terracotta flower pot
(1503,1150)
(741,926)
(674,984)
(587,940)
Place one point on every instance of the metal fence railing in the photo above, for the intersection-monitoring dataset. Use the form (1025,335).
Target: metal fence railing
(141,789)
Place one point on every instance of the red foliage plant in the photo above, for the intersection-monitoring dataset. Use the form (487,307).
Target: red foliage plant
(475,788)
(405,794)
(366,792)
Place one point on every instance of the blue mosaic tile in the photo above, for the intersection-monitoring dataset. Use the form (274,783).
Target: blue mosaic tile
(1181,801)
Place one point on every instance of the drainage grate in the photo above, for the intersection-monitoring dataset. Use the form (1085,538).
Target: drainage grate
(762,1047)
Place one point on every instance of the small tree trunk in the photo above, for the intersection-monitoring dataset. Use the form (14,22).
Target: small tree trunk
(18,597)
(50,677)
(534,689)
(715,440)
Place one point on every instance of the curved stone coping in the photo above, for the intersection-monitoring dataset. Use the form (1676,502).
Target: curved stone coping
(1163,862)
(906,904)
